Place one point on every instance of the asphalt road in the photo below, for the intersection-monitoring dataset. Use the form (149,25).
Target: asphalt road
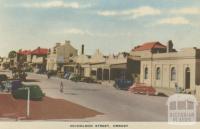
(116,105)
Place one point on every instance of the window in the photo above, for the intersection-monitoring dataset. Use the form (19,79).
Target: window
(158,73)
(173,74)
(146,73)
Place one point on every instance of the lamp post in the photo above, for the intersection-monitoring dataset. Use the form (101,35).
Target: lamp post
(28,102)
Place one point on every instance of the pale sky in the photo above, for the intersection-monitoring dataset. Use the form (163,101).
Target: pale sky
(110,25)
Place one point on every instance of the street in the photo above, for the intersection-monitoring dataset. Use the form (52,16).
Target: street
(116,105)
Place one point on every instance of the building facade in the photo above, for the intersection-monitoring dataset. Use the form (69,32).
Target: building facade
(169,69)
(59,55)
(24,59)
(39,59)
(162,66)
(98,66)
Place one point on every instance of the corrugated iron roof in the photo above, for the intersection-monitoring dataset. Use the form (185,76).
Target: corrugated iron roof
(149,46)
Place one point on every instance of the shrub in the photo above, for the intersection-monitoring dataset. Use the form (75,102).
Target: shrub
(76,78)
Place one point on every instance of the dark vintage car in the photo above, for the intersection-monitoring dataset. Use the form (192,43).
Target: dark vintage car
(88,80)
(75,78)
(67,75)
(123,84)
(35,92)
(3,77)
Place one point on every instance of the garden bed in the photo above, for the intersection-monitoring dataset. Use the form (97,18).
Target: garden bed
(48,108)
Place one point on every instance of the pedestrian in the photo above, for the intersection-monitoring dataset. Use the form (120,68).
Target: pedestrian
(48,75)
(61,87)
(177,88)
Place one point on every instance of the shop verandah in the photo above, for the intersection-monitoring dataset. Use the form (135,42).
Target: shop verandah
(104,72)
(99,71)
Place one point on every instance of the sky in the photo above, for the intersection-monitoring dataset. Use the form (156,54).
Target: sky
(109,25)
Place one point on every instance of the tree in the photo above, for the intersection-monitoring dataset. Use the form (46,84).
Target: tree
(12,54)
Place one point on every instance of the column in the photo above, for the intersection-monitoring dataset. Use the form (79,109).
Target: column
(109,74)
(102,78)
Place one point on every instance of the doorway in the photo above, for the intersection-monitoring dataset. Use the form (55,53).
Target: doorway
(187,78)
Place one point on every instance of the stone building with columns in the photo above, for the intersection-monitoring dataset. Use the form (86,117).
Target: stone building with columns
(162,66)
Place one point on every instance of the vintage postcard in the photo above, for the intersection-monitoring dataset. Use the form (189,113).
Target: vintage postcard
(99,64)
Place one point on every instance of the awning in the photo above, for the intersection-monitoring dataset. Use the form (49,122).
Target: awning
(70,65)
(119,66)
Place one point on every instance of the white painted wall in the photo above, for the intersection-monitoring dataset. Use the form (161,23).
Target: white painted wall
(180,60)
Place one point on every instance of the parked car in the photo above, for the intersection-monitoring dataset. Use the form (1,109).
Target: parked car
(2,87)
(75,78)
(71,76)
(35,92)
(15,84)
(3,77)
(5,86)
(123,84)
(143,89)
(88,80)
(67,75)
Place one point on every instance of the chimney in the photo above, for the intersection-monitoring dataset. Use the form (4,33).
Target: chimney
(82,49)
(58,44)
(170,46)
(49,51)
(67,41)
